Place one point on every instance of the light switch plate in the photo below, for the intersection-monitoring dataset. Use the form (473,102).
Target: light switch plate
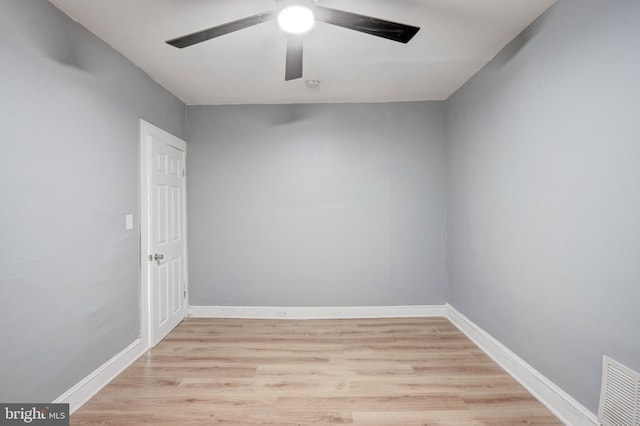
(129,221)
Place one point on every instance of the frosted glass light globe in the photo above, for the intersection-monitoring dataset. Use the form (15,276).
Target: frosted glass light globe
(296,19)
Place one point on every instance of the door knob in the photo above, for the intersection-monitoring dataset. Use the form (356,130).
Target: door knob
(158,256)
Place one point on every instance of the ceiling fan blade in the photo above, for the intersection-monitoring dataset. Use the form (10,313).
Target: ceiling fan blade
(365,24)
(293,67)
(204,35)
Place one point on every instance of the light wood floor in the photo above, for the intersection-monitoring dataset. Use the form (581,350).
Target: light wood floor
(415,371)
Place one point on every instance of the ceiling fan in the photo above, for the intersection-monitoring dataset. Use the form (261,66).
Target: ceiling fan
(297,17)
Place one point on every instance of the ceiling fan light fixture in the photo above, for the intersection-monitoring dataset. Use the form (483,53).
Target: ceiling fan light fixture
(296,19)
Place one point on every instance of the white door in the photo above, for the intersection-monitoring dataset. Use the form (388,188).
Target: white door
(164,209)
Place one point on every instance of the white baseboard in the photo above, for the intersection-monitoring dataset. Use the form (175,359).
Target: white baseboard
(85,389)
(334,312)
(567,409)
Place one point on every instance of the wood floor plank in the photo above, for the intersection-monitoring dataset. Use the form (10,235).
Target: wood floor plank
(397,371)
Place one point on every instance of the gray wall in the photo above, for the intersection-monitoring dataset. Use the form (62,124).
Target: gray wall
(316,205)
(543,177)
(69,107)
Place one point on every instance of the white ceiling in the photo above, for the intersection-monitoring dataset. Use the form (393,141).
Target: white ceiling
(456,39)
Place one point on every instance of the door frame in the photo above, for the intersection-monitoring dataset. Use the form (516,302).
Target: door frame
(144,208)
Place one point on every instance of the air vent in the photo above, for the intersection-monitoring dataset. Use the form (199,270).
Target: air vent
(619,396)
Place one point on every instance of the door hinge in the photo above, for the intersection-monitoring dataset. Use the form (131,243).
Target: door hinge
(184,293)
(184,172)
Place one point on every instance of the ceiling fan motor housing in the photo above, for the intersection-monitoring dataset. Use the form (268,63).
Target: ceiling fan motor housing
(282,4)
